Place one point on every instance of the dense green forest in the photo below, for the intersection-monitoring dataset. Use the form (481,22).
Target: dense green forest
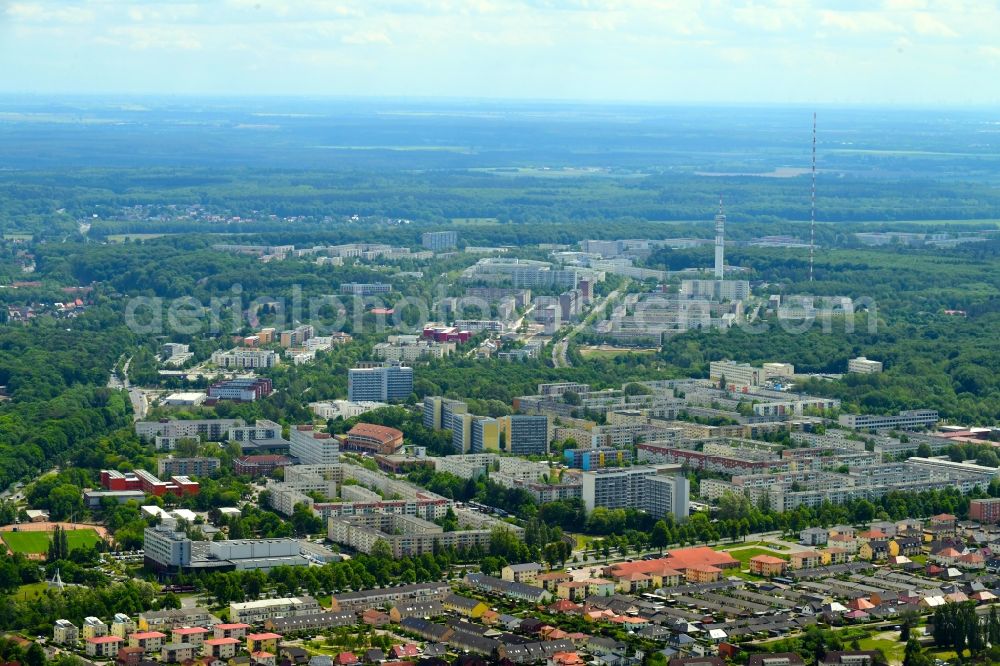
(50,204)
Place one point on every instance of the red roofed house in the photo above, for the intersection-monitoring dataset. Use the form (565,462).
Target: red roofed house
(264,658)
(767,565)
(263,642)
(667,571)
(370,438)
(128,656)
(375,618)
(103,646)
(149,641)
(221,648)
(971,561)
(698,573)
(346,659)
(565,659)
(231,630)
(806,559)
(946,556)
(405,651)
(566,606)
(193,635)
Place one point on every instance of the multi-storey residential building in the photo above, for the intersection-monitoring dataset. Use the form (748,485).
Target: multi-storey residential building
(716,290)
(864,366)
(904,420)
(263,436)
(122,625)
(365,289)
(296,337)
(736,375)
(94,627)
(666,493)
(485,435)
(985,510)
(658,489)
(200,466)
(241,389)
(439,240)
(221,648)
(382,597)
(257,612)
(246,359)
(150,641)
(175,354)
(742,461)
(312,447)
(388,383)
(522,573)
(526,434)
(65,632)
(407,348)
(165,620)
(102,646)
(604,456)
(474,434)
(409,535)
(438,411)
(211,429)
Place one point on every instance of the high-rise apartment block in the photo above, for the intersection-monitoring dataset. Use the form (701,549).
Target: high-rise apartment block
(526,434)
(386,383)
(439,240)
(657,489)
(312,447)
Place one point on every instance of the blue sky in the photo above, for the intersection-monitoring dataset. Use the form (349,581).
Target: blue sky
(906,52)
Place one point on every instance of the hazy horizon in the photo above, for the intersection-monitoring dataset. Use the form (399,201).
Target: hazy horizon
(897,53)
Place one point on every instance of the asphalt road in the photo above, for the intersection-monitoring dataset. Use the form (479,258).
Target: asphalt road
(560,358)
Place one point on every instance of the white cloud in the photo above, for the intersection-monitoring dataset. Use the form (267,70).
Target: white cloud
(146,38)
(771,19)
(360,38)
(860,22)
(36,12)
(990,52)
(927,25)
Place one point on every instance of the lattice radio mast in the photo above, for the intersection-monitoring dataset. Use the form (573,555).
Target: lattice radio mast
(812,218)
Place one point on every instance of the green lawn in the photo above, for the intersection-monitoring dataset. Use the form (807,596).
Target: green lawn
(31,591)
(893,649)
(38,542)
(744,554)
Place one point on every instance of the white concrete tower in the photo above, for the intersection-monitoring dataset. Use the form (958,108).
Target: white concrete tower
(720,242)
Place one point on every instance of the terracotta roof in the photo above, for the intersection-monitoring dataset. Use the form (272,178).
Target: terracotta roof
(767,559)
(381,433)
(98,640)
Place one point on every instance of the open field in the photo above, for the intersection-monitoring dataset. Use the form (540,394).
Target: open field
(744,554)
(606,351)
(121,238)
(38,542)
(32,590)
(888,642)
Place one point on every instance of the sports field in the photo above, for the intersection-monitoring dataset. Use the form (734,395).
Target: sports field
(38,542)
